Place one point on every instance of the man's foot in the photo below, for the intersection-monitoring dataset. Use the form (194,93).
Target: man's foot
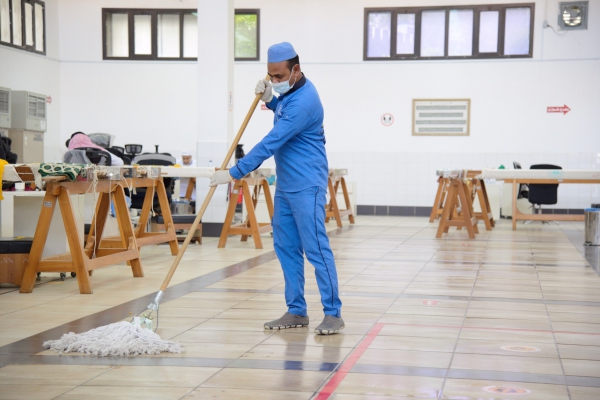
(330,325)
(287,321)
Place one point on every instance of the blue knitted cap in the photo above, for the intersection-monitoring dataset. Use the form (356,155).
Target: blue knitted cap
(281,52)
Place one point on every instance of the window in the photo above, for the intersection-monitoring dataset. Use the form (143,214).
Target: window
(449,32)
(150,34)
(246,35)
(23,24)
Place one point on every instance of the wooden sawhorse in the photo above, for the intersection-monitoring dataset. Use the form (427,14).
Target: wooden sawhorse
(332,209)
(440,198)
(477,186)
(143,237)
(458,210)
(251,226)
(82,260)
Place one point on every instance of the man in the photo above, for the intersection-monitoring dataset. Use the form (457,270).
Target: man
(186,161)
(297,141)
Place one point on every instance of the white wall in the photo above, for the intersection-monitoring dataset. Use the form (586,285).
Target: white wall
(156,102)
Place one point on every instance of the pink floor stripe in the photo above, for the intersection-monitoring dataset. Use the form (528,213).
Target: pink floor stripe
(341,373)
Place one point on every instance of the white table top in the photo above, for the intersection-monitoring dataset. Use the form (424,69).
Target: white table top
(187,172)
(540,174)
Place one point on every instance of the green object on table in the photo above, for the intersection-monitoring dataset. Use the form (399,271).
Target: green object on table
(501,166)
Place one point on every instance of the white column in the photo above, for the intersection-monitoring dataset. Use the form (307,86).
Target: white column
(215,96)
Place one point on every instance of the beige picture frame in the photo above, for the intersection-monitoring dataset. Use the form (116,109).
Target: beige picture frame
(441,117)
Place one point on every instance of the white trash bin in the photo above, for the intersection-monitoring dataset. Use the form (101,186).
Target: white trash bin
(592,226)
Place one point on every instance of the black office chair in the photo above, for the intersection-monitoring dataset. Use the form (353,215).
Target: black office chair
(543,194)
(97,156)
(120,152)
(137,200)
(523,187)
(133,150)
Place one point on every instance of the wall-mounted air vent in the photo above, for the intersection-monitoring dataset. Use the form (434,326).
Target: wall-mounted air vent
(28,111)
(5,108)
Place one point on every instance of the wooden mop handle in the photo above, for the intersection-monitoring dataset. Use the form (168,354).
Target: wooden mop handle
(209,196)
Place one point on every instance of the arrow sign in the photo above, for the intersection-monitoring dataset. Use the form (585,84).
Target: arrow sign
(563,110)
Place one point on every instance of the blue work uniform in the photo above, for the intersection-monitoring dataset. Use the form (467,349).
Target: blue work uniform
(297,141)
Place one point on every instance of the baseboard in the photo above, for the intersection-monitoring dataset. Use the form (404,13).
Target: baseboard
(212,229)
(399,211)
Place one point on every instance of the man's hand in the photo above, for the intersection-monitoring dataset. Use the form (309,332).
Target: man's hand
(220,177)
(266,89)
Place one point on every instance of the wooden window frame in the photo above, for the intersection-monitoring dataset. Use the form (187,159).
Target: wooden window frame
(477,9)
(24,46)
(250,11)
(153,12)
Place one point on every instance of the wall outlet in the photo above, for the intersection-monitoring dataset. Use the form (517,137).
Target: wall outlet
(545,24)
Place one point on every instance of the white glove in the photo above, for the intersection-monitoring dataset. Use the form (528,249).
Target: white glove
(264,87)
(220,177)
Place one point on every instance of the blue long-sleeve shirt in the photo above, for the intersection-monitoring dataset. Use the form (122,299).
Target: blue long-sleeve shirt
(297,141)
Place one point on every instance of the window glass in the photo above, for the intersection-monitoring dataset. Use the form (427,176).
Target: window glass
(142,34)
(16,17)
(488,31)
(168,35)
(405,34)
(516,31)
(39,27)
(246,36)
(460,33)
(433,33)
(28,24)
(117,35)
(4,21)
(190,35)
(379,34)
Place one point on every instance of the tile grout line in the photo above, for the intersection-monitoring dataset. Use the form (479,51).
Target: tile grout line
(318,392)
(441,392)
(548,316)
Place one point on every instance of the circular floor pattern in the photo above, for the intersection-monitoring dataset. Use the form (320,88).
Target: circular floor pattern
(521,349)
(506,390)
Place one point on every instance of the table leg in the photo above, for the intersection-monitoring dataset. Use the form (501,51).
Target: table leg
(514,205)
(167,217)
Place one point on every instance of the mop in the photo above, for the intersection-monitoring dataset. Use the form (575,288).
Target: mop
(138,336)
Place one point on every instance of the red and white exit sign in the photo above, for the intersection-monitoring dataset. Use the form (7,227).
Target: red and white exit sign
(563,109)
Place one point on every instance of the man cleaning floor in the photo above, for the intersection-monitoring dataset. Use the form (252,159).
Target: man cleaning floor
(297,141)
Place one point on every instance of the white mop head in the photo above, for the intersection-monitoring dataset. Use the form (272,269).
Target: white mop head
(118,339)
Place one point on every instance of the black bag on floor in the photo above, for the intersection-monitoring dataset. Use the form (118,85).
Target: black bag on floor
(5,152)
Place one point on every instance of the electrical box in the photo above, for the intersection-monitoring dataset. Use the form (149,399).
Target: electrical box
(5,108)
(28,111)
(28,145)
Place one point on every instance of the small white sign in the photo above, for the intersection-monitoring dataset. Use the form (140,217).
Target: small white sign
(387,119)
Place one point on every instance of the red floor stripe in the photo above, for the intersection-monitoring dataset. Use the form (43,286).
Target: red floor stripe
(347,365)
(493,329)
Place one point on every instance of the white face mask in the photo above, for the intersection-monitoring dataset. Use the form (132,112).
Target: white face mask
(283,87)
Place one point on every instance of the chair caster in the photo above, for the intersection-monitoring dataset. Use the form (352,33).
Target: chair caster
(62,276)
(73,274)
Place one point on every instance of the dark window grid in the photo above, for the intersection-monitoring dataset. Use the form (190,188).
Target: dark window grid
(154,29)
(23,29)
(257,13)
(477,9)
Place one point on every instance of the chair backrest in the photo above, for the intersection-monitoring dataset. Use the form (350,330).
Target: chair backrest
(133,149)
(76,157)
(542,193)
(97,156)
(154,159)
(118,151)
(523,188)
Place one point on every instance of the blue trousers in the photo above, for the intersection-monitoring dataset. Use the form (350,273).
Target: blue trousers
(298,229)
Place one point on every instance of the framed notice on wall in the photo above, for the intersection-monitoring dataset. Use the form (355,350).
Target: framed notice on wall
(441,117)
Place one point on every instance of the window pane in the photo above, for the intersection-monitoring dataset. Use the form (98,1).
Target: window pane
(433,33)
(516,34)
(488,31)
(379,34)
(142,27)
(405,34)
(16,17)
(28,24)
(168,35)
(39,27)
(460,33)
(117,35)
(4,21)
(246,35)
(190,35)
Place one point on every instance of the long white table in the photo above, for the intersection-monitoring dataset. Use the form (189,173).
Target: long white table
(543,177)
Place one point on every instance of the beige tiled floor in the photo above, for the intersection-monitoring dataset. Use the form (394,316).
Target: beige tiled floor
(458,319)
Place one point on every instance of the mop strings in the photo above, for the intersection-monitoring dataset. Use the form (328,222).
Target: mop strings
(118,339)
